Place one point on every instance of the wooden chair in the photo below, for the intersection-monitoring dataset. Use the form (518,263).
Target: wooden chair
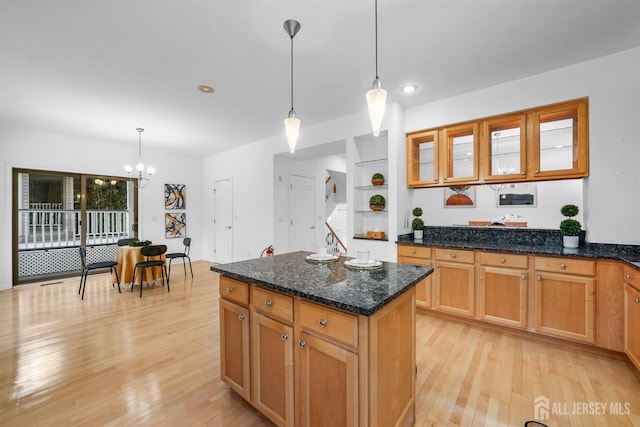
(184,255)
(111,265)
(149,252)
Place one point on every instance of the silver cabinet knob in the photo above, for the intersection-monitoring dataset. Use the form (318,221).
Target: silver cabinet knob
(322,322)
(502,261)
(563,266)
(241,317)
(284,337)
(229,290)
(536,171)
(637,300)
(538,277)
(522,173)
(301,344)
(453,255)
(628,276)
(267,303)
(523,276)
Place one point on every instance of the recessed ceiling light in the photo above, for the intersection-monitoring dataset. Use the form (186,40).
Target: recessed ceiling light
(409,88)
(206,89)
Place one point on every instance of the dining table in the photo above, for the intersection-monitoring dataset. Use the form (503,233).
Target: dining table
(128,257)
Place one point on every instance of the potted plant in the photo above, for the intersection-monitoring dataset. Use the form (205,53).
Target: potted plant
(570,228)
(377,179)
(417,224)
(376,202)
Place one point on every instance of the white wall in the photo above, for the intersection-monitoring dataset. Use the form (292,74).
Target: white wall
(33,149)
(317,169)
(611,194)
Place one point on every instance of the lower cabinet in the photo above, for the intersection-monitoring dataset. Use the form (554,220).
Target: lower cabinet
(421,256)
(565,302)
(235,348)
(327,383)
(632,323)
(455,282)
(502,289)
(272,368)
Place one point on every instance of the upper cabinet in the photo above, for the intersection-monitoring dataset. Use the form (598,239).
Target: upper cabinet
(542,143)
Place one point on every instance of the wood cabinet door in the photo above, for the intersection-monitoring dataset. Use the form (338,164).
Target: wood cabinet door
(564,306)
(234,348)
(327,383)
(632,324)
(455,288)
(502,296)
(272,368)
(424,287)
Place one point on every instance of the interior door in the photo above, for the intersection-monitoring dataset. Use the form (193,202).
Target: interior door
(302,202)
(223,221)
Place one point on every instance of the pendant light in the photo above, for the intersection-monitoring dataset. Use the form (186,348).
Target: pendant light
(140,166)
(292,123)
(376,97)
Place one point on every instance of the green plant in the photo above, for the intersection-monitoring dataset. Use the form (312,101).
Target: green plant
(417,223)
(377,176)
(570,226)
(376,200)
(140,243)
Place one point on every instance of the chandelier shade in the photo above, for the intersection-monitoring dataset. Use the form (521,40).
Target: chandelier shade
(377,96)
(142,181)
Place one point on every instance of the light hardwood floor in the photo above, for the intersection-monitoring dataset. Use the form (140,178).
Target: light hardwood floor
(117,360)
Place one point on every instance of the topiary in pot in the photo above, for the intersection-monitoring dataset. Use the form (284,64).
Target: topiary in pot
(377,179)
(570,228)
(376,202)
(417,224)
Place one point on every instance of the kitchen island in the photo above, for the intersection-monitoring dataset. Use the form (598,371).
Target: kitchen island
(319,343)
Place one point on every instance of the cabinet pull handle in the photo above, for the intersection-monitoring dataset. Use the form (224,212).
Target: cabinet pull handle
(563,266)
(538,277)
(267,303)
(453,255)
(413,252)
(628,276)
(637,300)
(536,171)
(301,344)
(229,290)
(523,276)
(241,317)
(284,337)
(322,322)
(522,173)
(501,260)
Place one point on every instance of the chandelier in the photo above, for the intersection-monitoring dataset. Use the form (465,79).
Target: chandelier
(142,181)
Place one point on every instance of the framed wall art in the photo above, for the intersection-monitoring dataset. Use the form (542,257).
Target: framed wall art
(175,225)
(175,196)
(460,196)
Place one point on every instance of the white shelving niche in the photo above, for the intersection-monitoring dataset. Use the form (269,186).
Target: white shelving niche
(371,156)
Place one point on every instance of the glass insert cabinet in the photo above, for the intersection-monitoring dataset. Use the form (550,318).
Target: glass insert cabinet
(543,143)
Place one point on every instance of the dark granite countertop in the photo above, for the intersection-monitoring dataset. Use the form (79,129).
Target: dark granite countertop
(521,241)
(331,284)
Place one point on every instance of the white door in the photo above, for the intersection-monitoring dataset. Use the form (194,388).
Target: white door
(223,221)
(301,203)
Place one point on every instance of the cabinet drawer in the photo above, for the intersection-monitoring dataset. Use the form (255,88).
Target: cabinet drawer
(456,255)
(331,323)
(272,303)
(414,252)
(582,267)
(503,260)
(632,277)
(234,290)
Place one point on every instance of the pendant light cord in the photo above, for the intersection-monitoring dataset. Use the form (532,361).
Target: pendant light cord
(376,30)
(292,72)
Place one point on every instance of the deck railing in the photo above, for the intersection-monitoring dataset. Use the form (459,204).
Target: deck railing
(59,228)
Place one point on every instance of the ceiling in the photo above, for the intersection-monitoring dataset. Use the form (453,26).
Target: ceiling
(97,69)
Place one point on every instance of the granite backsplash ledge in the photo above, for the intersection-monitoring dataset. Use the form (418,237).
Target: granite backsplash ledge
(539,240)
